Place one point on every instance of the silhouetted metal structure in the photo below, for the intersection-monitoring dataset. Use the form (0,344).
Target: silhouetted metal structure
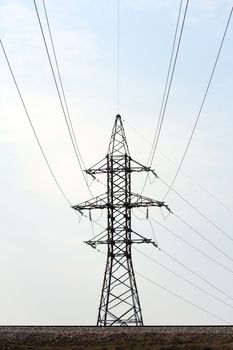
(119,304)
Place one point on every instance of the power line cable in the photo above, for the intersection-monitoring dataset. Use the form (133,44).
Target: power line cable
(118,55)
(198,211)
(195,273)
(213,196)
(192,246)
(36,136)
(192,228)
(167,89)
(182,298)
(66,104)
(170,83)
(181,170)
(179,262)
(166,83)
(188,269)
(59,95)
(32,126)
(201,107)
(175,294)
(61,84)
(195,305)
(183,278)
(202,236)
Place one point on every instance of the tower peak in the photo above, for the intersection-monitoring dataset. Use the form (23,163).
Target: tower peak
(118,144)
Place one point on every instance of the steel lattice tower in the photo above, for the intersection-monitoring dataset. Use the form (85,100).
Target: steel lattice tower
(119,304)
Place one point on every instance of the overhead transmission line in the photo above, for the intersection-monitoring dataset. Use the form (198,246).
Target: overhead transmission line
(32,126)
(166,89)
(61,84)
(197,232)
(182,298)
(68,200)
(195,273)
(175,259)
(58,71)
(181,264)
(118,56)
(60,189)
(168,83)
(186,280)
(181,170)
(183,278)
(65,112)
(185,222)
(194,230)
(202,104)
(177,295)
(37,137)
(192,246)
(179,275)
(197,210)
(202,236)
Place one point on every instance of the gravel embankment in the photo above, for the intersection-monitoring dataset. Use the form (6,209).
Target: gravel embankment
(116,338)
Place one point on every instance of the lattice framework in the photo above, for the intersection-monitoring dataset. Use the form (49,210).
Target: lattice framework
(119,303)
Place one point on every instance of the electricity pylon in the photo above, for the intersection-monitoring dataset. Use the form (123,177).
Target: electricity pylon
(119,304)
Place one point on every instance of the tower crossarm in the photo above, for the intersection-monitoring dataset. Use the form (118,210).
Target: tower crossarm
(99,202)
(102,238)
(141,201)
(98,168)
(102,168)
(138,167)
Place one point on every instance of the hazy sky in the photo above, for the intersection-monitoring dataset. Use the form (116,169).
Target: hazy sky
(48,275)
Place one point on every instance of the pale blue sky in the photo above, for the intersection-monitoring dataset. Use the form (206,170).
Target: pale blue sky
(48,276)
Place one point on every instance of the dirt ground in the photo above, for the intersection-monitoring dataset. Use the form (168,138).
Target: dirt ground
(116,338)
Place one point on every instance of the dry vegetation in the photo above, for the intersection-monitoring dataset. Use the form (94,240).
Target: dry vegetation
(118,338)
